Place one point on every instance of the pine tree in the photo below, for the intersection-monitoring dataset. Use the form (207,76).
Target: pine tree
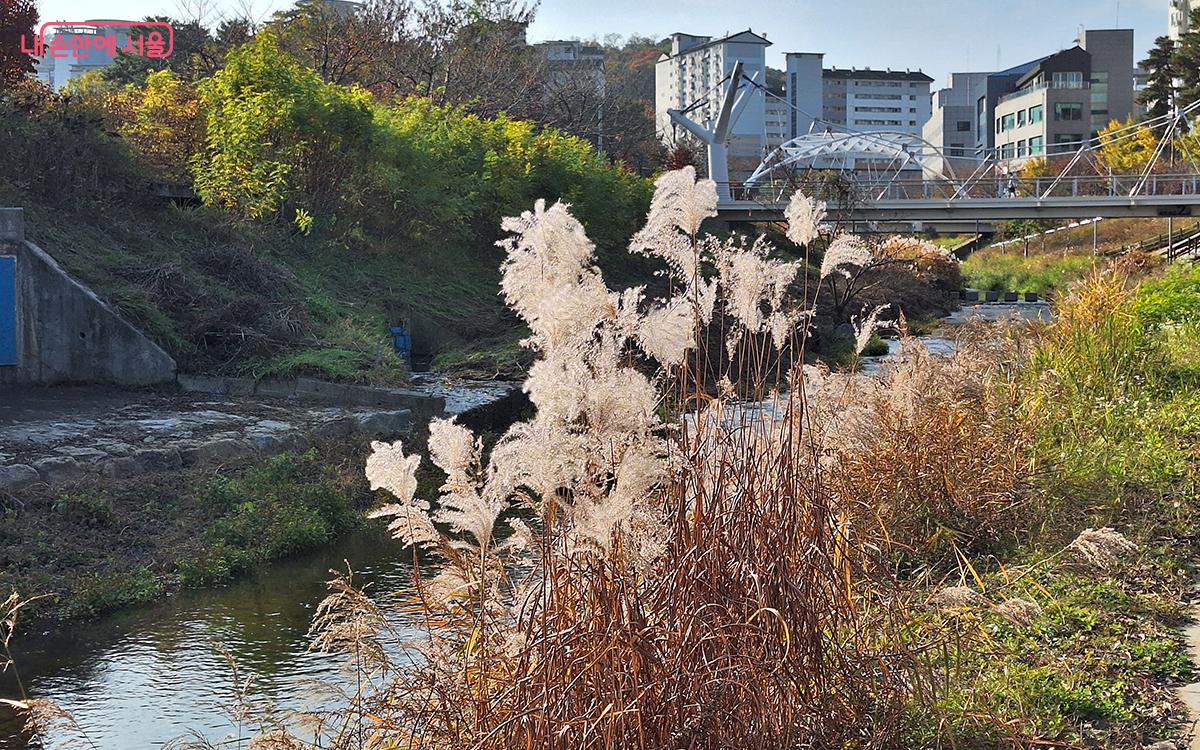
(1187,63)
(1159,94)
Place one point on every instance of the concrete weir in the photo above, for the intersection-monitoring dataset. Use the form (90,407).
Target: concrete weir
(63,332)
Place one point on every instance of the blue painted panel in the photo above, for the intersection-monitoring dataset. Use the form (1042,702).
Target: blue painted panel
(8,310)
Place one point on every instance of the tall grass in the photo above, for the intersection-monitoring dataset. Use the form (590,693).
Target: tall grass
(713,545)
(688,545)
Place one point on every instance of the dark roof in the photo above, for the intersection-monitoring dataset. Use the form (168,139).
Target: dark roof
(1074,52)
(878,75)
(1023,68)
(766,42)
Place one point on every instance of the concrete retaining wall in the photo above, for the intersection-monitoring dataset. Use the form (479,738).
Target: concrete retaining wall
(65,333)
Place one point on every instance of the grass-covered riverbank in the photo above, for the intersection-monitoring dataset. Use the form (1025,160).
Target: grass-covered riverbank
(97,546)
(1092,651)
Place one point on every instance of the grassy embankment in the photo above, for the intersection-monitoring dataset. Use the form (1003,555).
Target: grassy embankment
(262,301)
(94,546)
(1113,389)
(1064,258)
(329,221)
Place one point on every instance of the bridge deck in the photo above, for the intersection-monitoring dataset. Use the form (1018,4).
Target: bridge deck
(980,209)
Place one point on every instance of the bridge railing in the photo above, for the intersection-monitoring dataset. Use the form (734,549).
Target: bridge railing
(841,192)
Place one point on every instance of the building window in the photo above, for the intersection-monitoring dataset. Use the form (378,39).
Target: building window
(1068,112)
(1037,146)
(1008,122)
(1021,119)
(1065,143)
(1007,151)
(1036,114)
(1068,79)
(1022,149)
(963,126)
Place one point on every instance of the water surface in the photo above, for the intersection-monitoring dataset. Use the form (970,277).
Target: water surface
(143,676)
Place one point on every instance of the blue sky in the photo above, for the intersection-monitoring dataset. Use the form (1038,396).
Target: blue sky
(937,36)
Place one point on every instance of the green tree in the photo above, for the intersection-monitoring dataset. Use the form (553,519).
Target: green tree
(197,53)
(1128,151)
(1187,62)
(276,133)
(161,123)
(1159,94)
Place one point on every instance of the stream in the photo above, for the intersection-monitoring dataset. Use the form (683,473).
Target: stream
(141,677)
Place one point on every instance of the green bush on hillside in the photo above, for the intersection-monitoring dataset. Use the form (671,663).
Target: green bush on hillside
(278,138)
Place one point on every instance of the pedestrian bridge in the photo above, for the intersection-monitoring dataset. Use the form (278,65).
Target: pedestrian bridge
(985,201)
(880,178)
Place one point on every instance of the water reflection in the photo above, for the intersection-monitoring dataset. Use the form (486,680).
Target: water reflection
(139,678)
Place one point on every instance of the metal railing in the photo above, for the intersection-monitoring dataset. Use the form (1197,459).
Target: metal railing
(1073,85)
(867,191)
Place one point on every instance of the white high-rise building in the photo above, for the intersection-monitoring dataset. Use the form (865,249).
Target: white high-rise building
(803,81)
(691,77)
(1179,13)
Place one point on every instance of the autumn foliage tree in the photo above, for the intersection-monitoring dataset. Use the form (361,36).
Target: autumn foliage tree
(17,19)
(1124,149)
(162,123)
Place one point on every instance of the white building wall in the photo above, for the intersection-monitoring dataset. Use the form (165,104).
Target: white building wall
(777,122)
(1178,15)
(56,71)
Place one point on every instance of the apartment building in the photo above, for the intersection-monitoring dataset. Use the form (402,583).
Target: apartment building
(573,60)
(952,130)
(866,100)
(691,75)
(1060,101)
(1179,14)
(776,119)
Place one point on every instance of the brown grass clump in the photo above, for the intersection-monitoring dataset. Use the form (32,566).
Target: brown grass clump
(1137,263)
(647,563)
(929,262)
(937,458)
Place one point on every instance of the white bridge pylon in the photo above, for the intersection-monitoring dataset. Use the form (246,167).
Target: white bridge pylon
(717,139)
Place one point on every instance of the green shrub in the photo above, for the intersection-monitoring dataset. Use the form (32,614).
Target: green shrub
(278,137)
(101,592)
(289,504)
(876,347)
(88,510)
